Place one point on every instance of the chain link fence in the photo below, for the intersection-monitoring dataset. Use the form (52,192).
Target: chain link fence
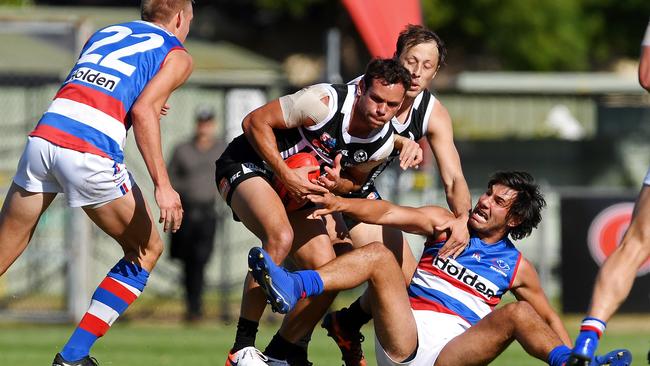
(35,286)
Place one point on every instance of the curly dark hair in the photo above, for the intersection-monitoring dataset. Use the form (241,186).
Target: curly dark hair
(528,204)
(414,35)
(388,69)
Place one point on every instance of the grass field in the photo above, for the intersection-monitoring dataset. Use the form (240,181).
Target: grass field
(167,343)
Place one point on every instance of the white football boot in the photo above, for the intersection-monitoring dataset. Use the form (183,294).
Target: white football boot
(247,356)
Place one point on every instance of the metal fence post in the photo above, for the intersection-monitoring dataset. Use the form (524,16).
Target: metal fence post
(77,239)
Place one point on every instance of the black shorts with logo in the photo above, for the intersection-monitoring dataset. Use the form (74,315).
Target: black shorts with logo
(238,163)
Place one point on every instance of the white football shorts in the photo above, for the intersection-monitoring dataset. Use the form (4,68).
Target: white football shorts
(86,179)
(435,330)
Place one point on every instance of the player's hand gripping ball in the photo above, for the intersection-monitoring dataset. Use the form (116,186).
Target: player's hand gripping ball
(295,161)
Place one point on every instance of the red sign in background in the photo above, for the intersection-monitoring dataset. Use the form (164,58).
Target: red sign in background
(607,230)
(380,21)
(592,226)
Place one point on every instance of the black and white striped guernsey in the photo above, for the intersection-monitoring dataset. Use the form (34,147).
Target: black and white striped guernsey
(330,137)
(414,127)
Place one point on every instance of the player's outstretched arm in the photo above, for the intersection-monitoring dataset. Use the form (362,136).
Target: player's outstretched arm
(440,136)
(145,115)
(420,220)
(526,287)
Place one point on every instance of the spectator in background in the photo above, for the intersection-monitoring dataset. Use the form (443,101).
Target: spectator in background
(617,274)
(191,170)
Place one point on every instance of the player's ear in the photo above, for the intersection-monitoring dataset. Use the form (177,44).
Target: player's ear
(179,18)
(362,87)
(514,221)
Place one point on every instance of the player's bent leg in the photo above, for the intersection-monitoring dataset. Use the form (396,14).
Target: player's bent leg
(312,249)
(485,340)
(20,214)
(259,208)
(283,289)
(617,274)
(274,231)
(612,286)
(395,325)
(615,279)
(129,222)
(393,239)
(344,326)
(305,317)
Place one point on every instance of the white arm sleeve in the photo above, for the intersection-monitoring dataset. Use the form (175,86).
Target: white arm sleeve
(305,104)
(646,38)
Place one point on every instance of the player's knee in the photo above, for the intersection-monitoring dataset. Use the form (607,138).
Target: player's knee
(151,252)
(156,248)
(521,311)
(636,242)
(278,243)
(379,255)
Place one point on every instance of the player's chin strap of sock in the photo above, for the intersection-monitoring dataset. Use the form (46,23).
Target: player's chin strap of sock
(559,355)
(591,330)
(312,283)
(123,284)
(593,324)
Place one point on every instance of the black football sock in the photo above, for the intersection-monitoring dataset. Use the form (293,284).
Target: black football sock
(281,349)
(278,347)
(297,355)
(354,316)
(300,357)
(245,337)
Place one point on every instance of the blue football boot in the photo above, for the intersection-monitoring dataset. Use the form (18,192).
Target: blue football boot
(617,357)
(283,289)
(584,350)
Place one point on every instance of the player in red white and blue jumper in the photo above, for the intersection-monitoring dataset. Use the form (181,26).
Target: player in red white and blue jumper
(122,79)
(448,314)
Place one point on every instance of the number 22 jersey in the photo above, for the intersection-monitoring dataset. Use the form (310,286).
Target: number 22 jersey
(90,112)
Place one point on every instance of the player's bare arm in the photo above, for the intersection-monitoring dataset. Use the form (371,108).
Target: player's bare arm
(440,137)
(644,66)
(410,152)
(526,287)
(258,127)
(420,220)
(145,114)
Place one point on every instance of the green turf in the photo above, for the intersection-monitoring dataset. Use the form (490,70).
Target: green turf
(172,344)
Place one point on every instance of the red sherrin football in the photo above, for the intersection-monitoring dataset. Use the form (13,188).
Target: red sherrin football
(295,161)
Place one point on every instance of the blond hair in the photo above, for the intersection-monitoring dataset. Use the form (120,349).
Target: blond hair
(161,10)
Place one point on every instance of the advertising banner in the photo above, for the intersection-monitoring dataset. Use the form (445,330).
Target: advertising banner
(592,228)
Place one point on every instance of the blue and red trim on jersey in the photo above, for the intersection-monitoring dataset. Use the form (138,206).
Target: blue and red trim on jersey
(94,98)
(431,299)
(68,133)
(66,140)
